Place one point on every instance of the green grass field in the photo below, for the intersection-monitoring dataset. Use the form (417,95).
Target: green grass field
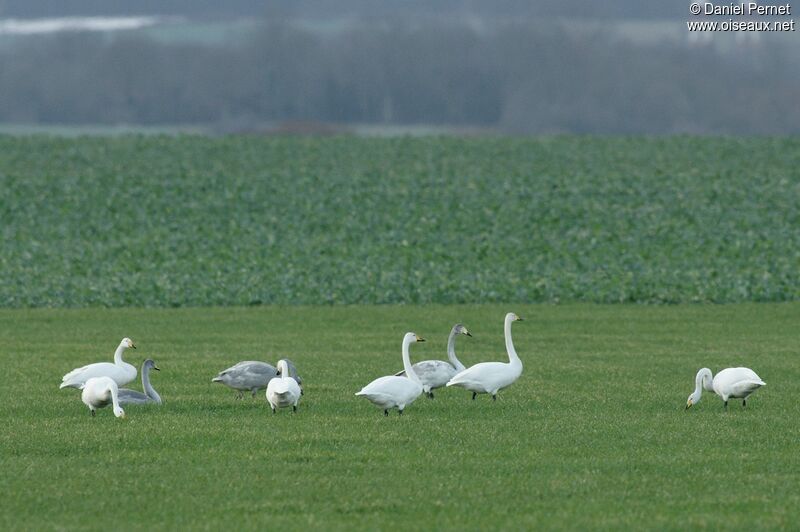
(192,221)
(593,435)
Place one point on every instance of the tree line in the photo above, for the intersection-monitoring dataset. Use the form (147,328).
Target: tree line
(519,78)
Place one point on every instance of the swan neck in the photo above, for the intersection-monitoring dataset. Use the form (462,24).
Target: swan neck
(451,351)
(410,373)
(699,381)
(512,353)
(114,397)
(149,391)
(118,354)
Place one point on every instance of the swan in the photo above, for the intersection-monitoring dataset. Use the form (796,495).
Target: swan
(98,392)
(284,390)
(247,375)
(150,395)
(436,373)
(491,377)
(120,371)
(730,383)
(393,391)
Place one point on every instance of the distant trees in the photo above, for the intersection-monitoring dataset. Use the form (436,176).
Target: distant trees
(524,78)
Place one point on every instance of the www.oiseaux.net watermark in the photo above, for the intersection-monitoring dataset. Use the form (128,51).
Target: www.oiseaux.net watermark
(752,16)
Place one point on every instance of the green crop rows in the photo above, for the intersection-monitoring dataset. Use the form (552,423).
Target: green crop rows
(191,221)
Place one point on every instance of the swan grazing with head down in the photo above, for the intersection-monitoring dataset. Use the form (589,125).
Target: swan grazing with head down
(730,383)
(248,375)
(98,392)
(120,371)
(491,377)
(283,391)
(150,395)
(393,391)
(436,373)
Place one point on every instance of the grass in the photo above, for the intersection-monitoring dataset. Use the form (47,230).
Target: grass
(191,221)
(593,435)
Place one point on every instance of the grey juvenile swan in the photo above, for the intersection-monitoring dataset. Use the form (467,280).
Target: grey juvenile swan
(436,373)
(249,375)
(150,395)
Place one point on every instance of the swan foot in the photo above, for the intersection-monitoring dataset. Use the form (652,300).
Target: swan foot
(474,395)
(386,413)
(93,413)
(273,410)
(399,412)
(430,395)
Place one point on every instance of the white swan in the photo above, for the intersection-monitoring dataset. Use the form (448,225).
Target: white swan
(436,373)
(491,377)
(283,391)
(393,391)
(150,395)
(120,371)
(247,375)
(98,392)
(730,383)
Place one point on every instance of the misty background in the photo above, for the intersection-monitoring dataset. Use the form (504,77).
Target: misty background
(507,66)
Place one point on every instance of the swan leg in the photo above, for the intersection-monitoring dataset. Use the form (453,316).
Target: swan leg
(386,412)
(494,397)
(399,412)
(93,413)
(254,391)
(430,394)
(725,405)
(474,395)
(294,408)
(273,409)
(744,402)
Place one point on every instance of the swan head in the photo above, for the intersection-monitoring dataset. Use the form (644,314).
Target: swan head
(127,342)
(693,399)
(119,412)
(149,363)
(412,337)
(460,329)
(283,368)
(512,317)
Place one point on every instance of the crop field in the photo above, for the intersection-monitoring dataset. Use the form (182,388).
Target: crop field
(160,221)
(594,434)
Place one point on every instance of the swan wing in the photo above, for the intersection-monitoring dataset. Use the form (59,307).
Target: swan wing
(121,374)
(132,397)
(73,378)
(396,388)
(433,373)
(486,376)
(247,375)
(745,388)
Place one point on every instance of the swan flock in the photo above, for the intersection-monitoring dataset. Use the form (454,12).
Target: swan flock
(100,383)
